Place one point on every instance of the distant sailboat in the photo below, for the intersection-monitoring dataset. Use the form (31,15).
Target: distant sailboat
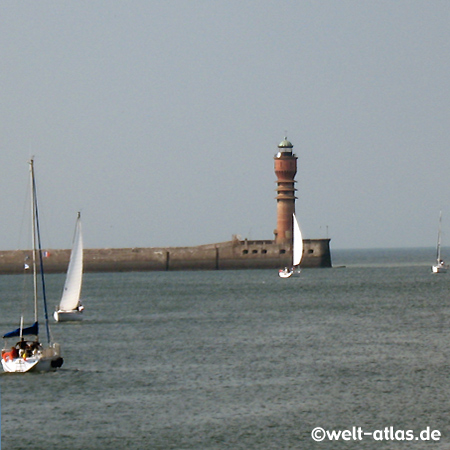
(297,252)
(70,307)
(440,266)
(32,355)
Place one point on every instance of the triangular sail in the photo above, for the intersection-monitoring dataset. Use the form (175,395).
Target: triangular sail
(298,243)
(72,287)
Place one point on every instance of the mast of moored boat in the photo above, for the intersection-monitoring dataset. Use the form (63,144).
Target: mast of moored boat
(33,239)
(438,249)
(21,327)
(37,250)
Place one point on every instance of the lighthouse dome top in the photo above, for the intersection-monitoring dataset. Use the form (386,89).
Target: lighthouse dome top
(285,144)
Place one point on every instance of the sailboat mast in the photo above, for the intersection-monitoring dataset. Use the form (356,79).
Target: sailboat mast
(37,249)
(438,250)
(33,239)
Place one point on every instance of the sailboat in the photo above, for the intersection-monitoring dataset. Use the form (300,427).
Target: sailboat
(440,266)
(297,252)
(70,307)
(32,355)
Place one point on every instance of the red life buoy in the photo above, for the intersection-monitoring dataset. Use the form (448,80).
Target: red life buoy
(8,356)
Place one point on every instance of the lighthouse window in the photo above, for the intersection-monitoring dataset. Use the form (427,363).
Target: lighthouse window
(310,251)
(282,251)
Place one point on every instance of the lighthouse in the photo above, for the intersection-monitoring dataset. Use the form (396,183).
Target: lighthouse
(285,170)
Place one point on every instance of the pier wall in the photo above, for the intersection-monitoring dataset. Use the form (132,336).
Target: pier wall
(232,255)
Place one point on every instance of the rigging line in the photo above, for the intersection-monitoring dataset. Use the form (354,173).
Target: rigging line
(41,263)
(25,287)
(76,227)
(24,243)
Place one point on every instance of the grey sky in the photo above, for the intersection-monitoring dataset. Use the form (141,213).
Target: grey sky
(159,120)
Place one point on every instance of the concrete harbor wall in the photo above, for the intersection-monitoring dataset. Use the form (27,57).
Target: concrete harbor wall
(232,255)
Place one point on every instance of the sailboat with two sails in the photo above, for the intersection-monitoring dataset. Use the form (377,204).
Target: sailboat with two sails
(70,307)
(297,252)
(31,354)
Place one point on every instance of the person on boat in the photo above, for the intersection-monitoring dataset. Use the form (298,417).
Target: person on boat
(21,344)
(25,348)
(33,348)
(21,347)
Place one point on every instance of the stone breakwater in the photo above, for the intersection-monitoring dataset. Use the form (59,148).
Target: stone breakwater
(232,255)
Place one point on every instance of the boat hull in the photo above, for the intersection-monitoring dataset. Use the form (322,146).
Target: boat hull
(46,361)
(68,316)
(439,269)
(285,273)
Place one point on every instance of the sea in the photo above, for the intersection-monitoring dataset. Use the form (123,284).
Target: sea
(353,357)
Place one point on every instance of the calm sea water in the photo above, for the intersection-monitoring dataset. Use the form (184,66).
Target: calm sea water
(241,359)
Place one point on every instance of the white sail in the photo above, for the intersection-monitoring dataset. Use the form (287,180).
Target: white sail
(440,266)
(438,247)
(298,244)
(72,287)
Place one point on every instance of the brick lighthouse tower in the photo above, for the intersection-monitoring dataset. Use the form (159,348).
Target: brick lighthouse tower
(285,170)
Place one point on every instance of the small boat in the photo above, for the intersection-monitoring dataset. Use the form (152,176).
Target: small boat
(70,307)
(440,266)
(32,355)
(297,252)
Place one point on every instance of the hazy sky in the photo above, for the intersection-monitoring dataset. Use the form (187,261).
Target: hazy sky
(160,120)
